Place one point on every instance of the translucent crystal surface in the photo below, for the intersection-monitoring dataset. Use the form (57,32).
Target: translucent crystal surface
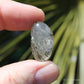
(41,41)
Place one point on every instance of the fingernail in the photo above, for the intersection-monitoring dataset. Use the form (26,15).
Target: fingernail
(47,74)
(42,14)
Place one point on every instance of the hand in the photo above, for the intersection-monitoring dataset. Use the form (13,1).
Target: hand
(15,16)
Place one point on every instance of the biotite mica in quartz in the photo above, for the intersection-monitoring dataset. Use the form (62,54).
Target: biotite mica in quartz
(41,41)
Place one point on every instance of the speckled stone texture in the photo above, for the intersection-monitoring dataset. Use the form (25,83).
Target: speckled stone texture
(41,41)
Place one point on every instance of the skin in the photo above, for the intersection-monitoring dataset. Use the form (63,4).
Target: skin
(15,16)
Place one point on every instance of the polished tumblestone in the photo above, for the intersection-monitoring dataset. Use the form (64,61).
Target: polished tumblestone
(41,41)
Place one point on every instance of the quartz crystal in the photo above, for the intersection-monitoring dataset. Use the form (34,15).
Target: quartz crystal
(41,41)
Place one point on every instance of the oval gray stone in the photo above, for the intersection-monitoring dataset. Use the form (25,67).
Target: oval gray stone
(41,41)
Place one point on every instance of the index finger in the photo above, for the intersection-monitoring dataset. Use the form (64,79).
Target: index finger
(16,16)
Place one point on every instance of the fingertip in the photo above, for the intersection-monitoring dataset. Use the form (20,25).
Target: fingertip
(47,74)
(18,17)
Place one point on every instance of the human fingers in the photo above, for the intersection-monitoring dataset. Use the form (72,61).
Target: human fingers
(29,72)
(16,16)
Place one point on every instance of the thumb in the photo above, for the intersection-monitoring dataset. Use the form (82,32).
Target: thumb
(29,72)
